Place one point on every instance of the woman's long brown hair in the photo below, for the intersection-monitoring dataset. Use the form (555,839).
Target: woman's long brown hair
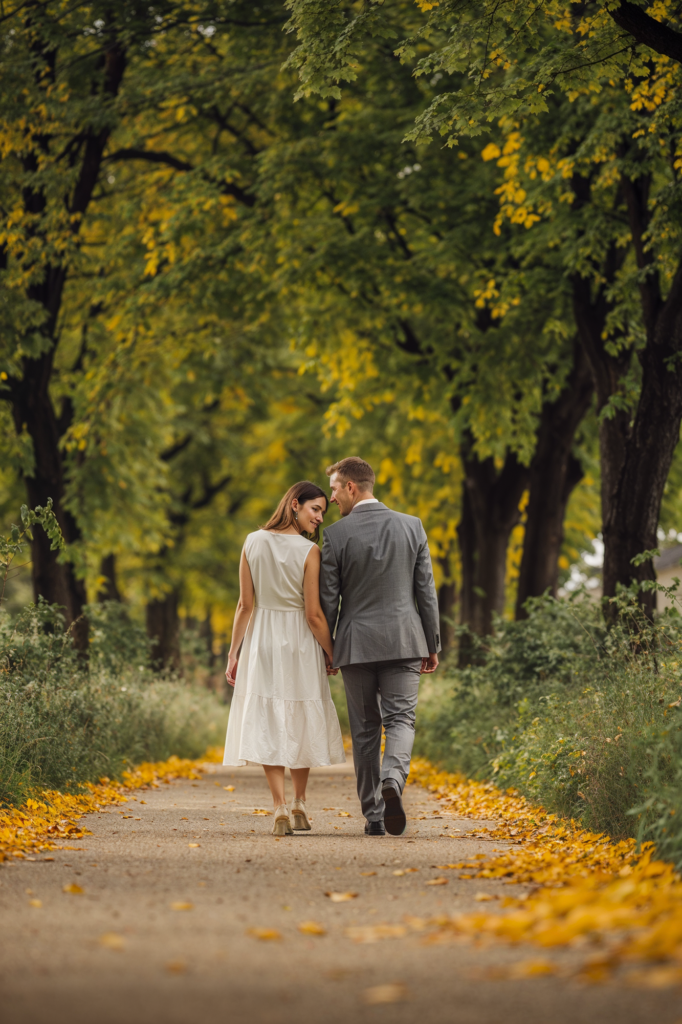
(283,516)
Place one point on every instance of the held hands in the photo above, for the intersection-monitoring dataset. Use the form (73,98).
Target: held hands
(429,664)
(231,670)
(328,664)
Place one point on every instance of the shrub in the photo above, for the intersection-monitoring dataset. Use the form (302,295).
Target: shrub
(584,720)
(63,722)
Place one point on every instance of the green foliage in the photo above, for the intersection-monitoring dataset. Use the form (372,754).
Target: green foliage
(62,724)
(13,544)
(499,62)
(584,720)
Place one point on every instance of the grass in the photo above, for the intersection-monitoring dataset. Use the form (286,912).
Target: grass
(585,721)
(63,723)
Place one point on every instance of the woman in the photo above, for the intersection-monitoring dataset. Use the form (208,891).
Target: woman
(282,714)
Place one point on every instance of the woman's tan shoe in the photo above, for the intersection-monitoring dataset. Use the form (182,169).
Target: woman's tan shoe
(301,819)
(282,826)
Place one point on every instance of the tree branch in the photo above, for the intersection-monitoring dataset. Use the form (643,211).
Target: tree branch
(647,30)
(152,156)
(155,156)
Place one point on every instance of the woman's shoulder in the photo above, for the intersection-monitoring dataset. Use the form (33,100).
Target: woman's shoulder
(254,538)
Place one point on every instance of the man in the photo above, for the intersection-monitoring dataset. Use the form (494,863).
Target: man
(377,562)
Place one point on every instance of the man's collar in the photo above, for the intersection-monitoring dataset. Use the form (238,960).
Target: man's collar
(369,506)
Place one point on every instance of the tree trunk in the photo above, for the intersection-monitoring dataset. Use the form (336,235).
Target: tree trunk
(447,601)
(205,631)
(632,521)
(29,393)
(554,473)
(490,511)
(32,409)
(636,453)
(608,372)
(163,626)
(110,591)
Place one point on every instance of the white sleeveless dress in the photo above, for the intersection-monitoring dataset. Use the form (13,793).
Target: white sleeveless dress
(282,711)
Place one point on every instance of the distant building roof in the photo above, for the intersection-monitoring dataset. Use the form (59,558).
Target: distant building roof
(668,558)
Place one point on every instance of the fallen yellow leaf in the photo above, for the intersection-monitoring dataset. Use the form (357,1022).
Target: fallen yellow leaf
(176,966)
(260,810)
(341,897)
(527,969)
(345,814)
(657,977)
(367,874)
(230,789)
(35,903)
(112,940)
(193,846)
(483,897)
(74,889)
(365,934)
(385,994)
(182,905)
(311,928)
(437,881)
(265,934)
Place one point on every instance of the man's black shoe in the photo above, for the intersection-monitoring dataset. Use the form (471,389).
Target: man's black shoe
(394,815)
(374,828)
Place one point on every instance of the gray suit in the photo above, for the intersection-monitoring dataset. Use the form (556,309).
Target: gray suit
(376,562)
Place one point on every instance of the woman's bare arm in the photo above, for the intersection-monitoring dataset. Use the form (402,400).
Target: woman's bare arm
(241,618)
(313,609)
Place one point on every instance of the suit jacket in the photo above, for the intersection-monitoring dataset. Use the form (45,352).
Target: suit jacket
(377,562)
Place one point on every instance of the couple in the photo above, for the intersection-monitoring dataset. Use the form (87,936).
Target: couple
(375,564)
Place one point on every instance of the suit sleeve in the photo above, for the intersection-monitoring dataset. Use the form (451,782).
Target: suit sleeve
(425,594)
(330,583)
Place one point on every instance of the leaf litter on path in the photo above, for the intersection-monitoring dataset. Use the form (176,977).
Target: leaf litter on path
(45,821)
(591,888)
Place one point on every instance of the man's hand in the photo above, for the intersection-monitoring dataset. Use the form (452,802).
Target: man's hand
(328,664)
(429,664)
(231,670)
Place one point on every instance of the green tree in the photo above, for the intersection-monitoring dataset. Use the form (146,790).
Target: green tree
(606,124)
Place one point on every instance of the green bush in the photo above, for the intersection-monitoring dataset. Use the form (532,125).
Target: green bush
(585,720)
(64,722)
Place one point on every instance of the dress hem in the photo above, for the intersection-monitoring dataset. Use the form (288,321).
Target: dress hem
(243,763)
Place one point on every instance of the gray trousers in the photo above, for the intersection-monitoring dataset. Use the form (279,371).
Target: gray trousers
(381,692)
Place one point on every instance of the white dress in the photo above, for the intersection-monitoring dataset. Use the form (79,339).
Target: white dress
(282,711)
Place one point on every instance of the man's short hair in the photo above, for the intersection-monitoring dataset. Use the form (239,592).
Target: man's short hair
(355,469)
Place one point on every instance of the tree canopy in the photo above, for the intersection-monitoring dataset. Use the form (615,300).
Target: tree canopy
(233,249)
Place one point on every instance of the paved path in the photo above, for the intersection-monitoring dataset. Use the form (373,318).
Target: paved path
(118,952)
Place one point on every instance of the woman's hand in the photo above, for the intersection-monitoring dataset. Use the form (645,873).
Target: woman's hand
(231,670)
(329,665)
